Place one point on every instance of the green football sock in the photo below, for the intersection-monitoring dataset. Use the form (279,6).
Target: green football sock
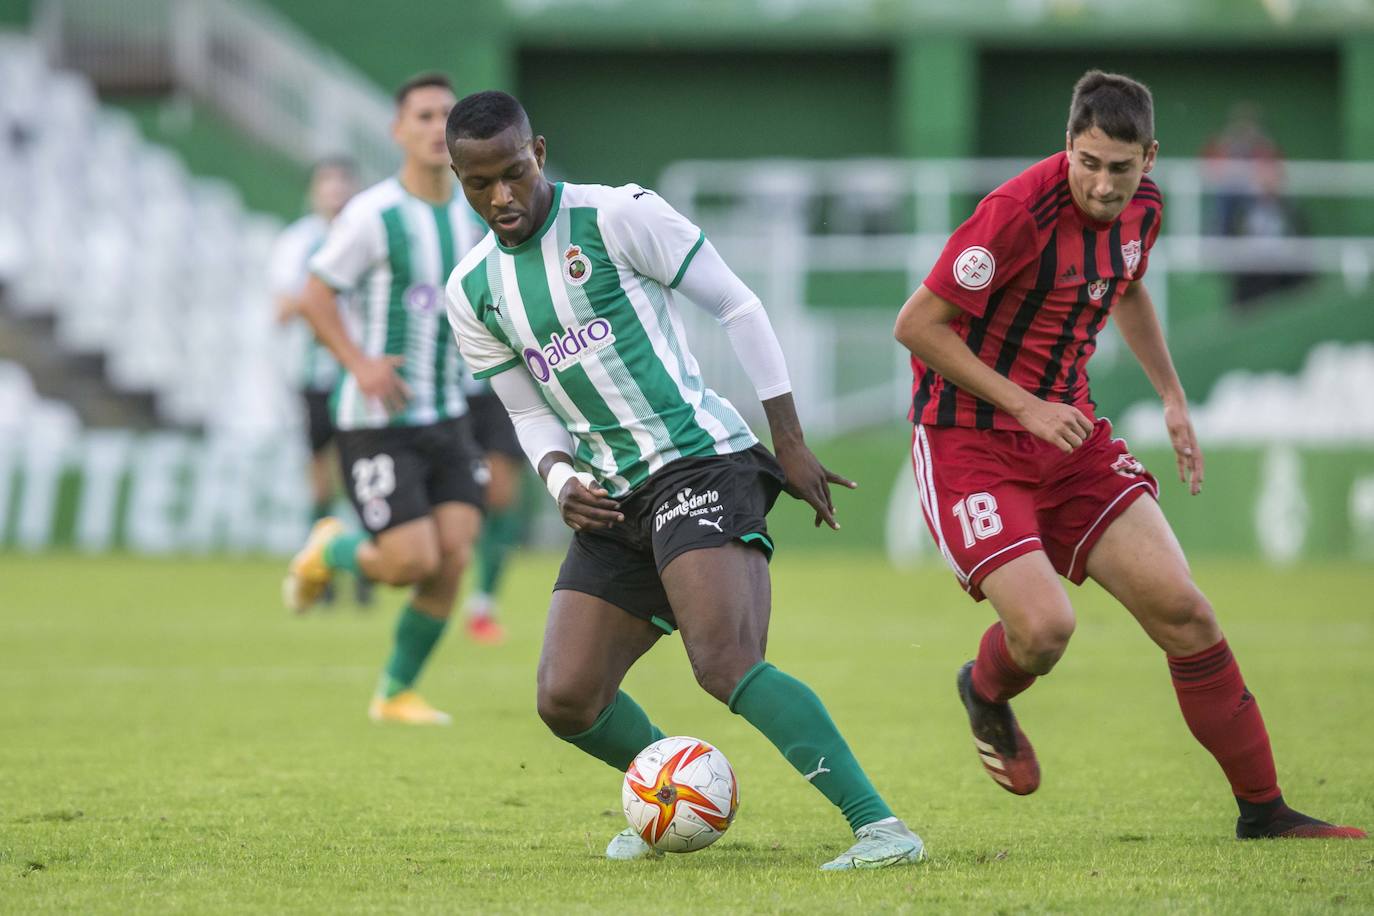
(500,533)
(618,734)
(342,551)
(792,717)
(416,635)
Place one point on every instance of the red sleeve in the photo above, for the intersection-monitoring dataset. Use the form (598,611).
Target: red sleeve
(1149,244)
(985,253)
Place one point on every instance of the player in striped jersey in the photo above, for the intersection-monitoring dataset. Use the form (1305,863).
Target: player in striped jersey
(332,182)
(570,306)
(413,471)
(1020,483)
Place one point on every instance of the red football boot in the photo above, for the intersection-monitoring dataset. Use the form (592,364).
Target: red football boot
(1003,748)
(1275,820)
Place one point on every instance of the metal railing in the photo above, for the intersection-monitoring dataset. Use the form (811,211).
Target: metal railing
(778,222)
(243,59)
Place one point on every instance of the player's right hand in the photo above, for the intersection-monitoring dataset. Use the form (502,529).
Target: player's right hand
(587,508)
(1061,425)
(377,378)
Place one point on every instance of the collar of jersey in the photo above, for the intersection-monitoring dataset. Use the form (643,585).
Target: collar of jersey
(453,192)
(533,240)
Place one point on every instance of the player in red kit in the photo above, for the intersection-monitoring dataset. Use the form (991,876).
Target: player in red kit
(1022,483)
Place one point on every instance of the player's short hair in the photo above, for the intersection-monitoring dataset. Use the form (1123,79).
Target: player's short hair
(432,78)
(337,162)
(483,115)
(1120,107)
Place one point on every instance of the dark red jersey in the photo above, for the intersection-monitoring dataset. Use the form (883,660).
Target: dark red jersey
(1036,278)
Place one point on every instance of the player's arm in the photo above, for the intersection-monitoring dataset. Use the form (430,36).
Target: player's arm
(544,439)
(582,502)
(710,284)
(1138,324)
(923,327)
(377,376)
(987,252)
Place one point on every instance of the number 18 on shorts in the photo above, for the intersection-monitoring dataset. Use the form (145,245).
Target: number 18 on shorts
(991,495)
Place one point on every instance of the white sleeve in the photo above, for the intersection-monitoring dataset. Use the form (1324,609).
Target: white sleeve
(642,231)
(484,353)
(356,241)
(711,284)
(286,267)
(538,428)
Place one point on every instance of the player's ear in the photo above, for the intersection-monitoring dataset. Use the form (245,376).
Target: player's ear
(1151,152)
(540,151)
(1068,142)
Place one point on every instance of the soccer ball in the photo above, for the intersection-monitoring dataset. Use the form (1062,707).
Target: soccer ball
(680,794)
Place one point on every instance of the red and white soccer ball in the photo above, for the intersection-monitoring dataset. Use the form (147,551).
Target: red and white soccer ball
(680,794)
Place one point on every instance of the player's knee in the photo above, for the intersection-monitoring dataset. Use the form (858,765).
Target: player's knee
(719,670)
(1044,642)
(565,709)
(1184,621)
(410,568)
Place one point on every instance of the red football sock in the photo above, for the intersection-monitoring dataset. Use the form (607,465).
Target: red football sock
(1224,717)
(996,678)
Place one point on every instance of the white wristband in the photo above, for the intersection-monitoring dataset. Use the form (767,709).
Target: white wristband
(560,474)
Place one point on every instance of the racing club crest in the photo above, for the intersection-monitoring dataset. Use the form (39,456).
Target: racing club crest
(577,267)
(1130,253)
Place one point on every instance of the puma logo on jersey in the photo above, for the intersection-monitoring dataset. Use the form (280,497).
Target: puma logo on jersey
(820,768)
(492,308)
(638,194)
(711,524)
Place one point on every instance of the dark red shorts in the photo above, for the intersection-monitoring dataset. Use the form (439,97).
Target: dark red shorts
(991,495)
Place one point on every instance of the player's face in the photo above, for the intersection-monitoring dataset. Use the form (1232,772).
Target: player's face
(502,178)
(419,125)
(330,189)
(1105,173)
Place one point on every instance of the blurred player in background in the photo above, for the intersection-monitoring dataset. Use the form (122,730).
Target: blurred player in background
(409,462)
(1021,484)
(503,527)
(332,182)
(568,306)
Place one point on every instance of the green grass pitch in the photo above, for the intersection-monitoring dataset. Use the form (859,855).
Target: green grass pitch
(171,741)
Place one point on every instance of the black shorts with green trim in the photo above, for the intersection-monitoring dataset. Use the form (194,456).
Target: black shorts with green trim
(688,504)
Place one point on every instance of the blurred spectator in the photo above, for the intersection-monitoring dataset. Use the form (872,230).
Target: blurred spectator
(1266,214)
(1246,167)
(1231,155)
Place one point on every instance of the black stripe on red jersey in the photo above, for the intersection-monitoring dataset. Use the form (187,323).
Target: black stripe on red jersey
(1046,210)
(1079,365)
(977,330)
(1016,333)
(1050,195)
(1052,216)
(1055,364)
(922,396)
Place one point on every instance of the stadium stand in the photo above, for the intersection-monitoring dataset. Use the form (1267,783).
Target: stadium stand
(134,258)
(1313,407)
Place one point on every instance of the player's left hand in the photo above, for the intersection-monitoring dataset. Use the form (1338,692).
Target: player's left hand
(810,482)
(1184,440)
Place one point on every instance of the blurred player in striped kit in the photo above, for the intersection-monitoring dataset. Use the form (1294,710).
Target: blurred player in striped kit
(333,181)
(412,470)
(503,527)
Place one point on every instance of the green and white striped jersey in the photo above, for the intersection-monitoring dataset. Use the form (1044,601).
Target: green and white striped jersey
(313,366)
(396,251)
(586,307)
